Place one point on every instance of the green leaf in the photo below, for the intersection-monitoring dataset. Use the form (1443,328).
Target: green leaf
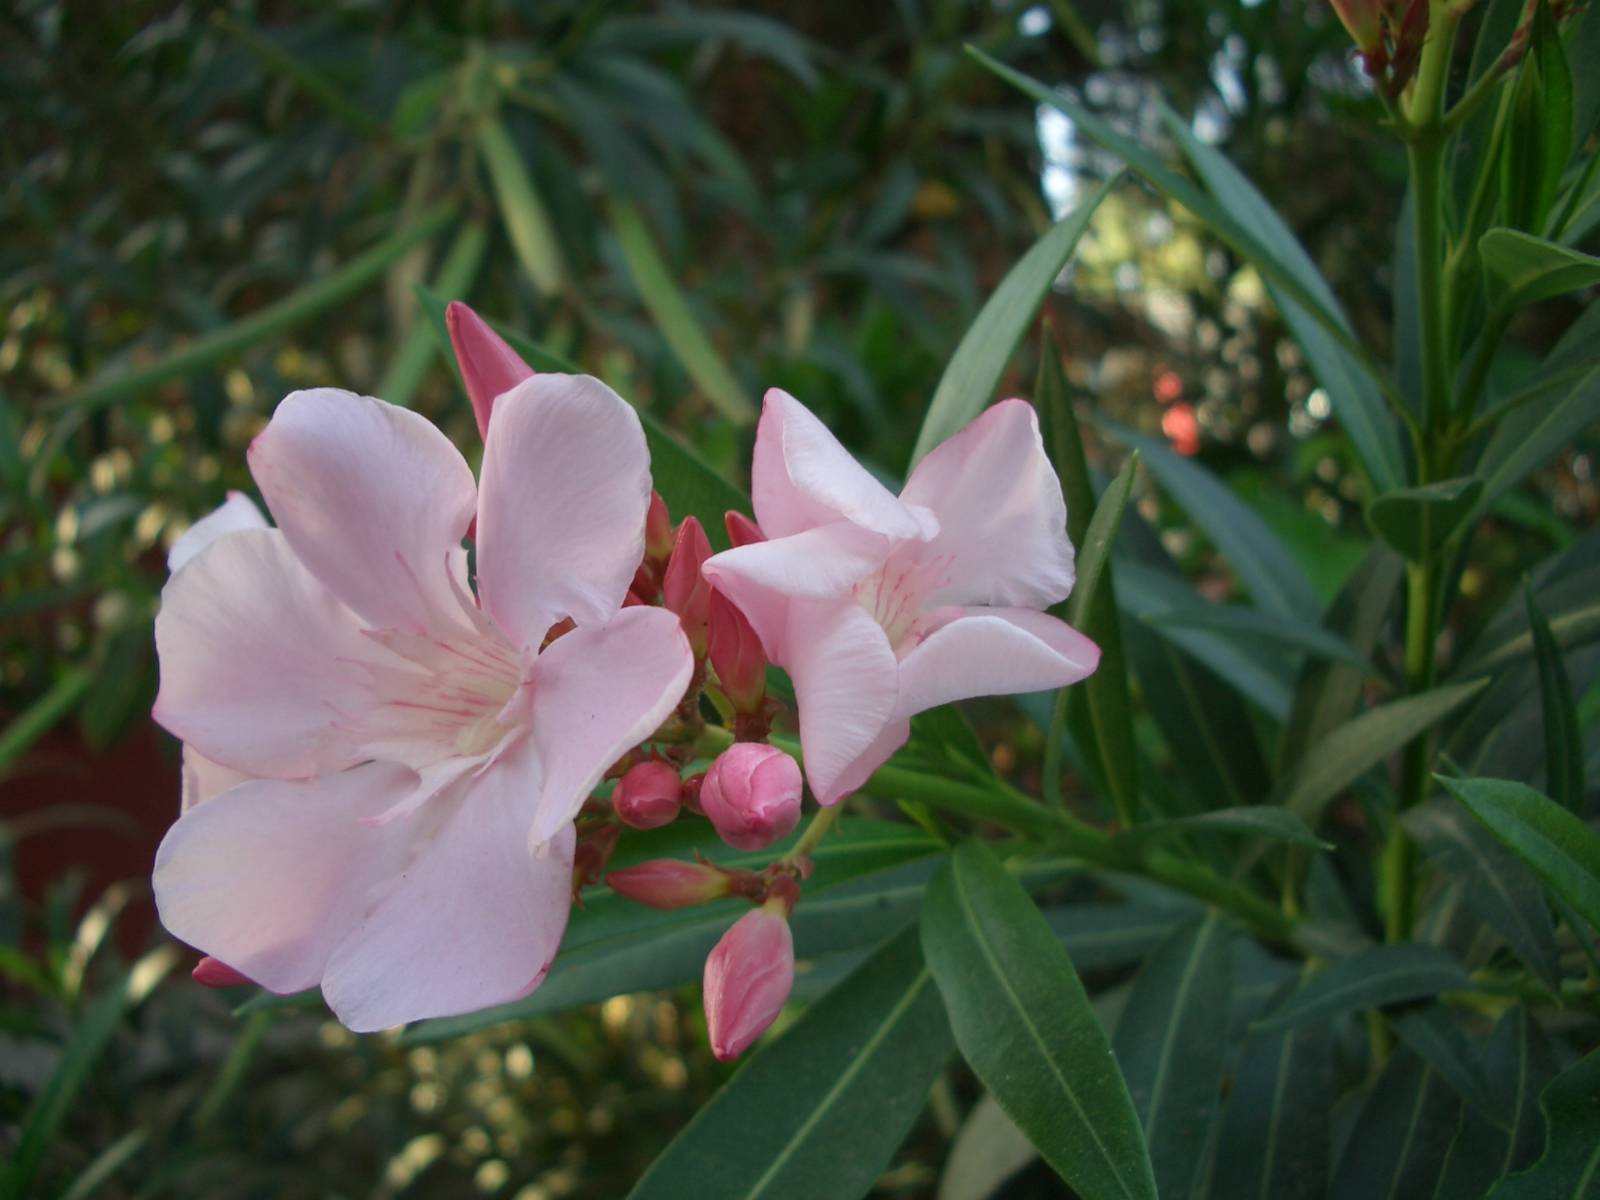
(1356,399)
(1561,850)
(866,883)
(1563,740)
(1327,692)
(1417,520)
(1098,711)
(1354,748)
(1517,1062)
(945,738)
(1251,821)
(1024,1023)
(1095,551)
(1389,974)
(1539,138)
(1433,1036)
(974,370)
(1528,269)
(1528,437)
(42,715)
(666,302)
(1401,1135)
(1496,888)
(453,281)
(1254,624)
(114,386)
(1101,936)
(1171,1042)
(988,1150)
(821,1110)
(1264,565)
(1570,1165)
(1274,1143)
(527,222)
(106,1164)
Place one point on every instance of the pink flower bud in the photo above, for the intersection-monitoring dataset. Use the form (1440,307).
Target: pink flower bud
(214,973)
(657,530)
(752,795)
(489,367)
(670,883)
(742,531)
(748,978)
(647,796)
(736,655)
(683,589)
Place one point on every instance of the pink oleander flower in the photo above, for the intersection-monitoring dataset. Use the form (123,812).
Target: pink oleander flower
(382,766)
(881,606)
(751,795)
(647,795)
(748,978)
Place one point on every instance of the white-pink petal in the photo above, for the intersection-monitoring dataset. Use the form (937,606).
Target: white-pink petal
(261,666)
(271,876)
(566,484)
(203,779)
(237,512)
(597,692)
(373,499)
(473,921)
(1002,519)
(993,652)
(845,688)
(802,477)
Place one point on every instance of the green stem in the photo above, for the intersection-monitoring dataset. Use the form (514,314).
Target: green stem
(1427,175)
(821,821)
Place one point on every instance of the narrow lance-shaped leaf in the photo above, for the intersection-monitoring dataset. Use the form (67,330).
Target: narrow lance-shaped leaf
(820,1111)
(1528,437)
(1024,1023)
(1495,886)
(1433,1035)
(1563,740)
(1416,521)
(1098,711)
(1527,269)
(454,281)
(1275,1142)
(1250,821)
(1383,975)
(666,302)
(1171,1041)
(521,208)
(1560,849)
(1569,1169)
(974,371)
(1401,1136)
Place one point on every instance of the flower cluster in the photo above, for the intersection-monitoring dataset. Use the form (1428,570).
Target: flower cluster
(393,766)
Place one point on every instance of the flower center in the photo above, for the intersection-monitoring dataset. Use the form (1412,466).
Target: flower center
(894,594)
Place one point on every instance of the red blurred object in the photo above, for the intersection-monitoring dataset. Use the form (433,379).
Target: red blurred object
(1169,387)
(1182,428)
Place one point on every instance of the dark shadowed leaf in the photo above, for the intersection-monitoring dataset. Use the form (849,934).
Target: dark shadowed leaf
(1023,1022)
(1383,975)
(1563,740)
(1518,1062)
(821,1110)
(1251,821)
(1171,1041)
(1417,520)
(1569,1169)
(1401,1135)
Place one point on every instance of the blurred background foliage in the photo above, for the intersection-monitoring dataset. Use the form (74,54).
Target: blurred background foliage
(205,207)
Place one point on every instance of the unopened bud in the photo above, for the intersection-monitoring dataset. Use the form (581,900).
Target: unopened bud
(752,795)
(742,531)
(670,883)
(736,655)
(214,973)
(647,796)
(591,854)
(489,367)
(657,530)
(748,978)
(683,589)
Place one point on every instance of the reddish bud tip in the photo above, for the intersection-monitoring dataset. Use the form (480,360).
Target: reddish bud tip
(752,795)
(647,796)
(668,883)
(657,530)
(488,366)
(1363,20)
(683,589)
(742,531)
(214,973)
(748,978)
(736,655)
